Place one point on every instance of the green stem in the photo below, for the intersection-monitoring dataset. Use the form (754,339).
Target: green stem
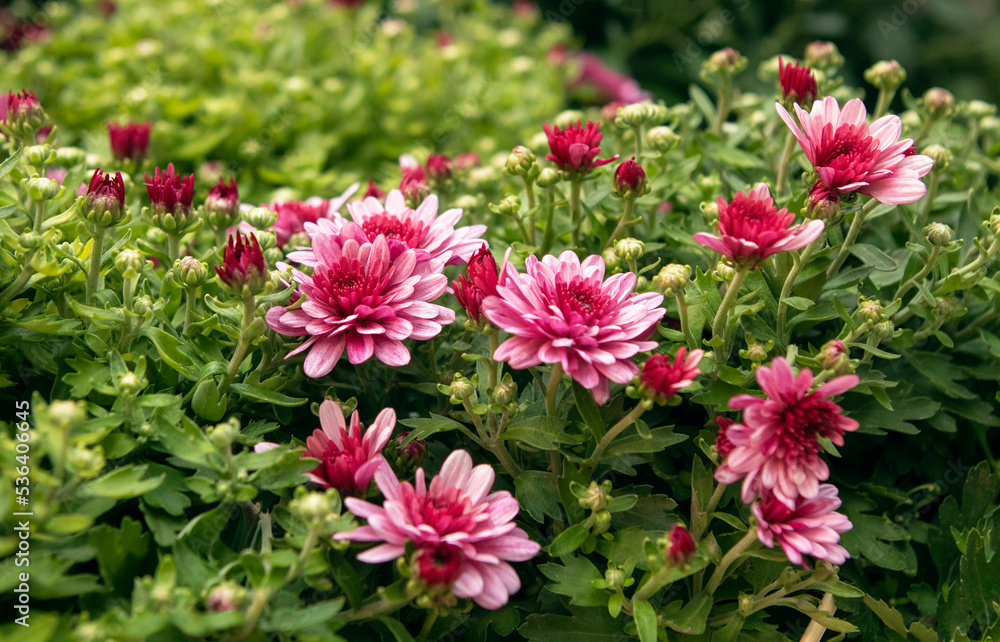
(94,272)
(574,209)
(17,286)
(552,389)
(476,421)
(548,235)
(719,324)
(425,630)
(786,289)
(852,236)
(637,130)
(655,582)
(39,216)
(616,430)
(722,108)
(682,312)
(981,259)
(916,278)
(494,367)
(190,295)
(382,605)
(882,105)
(932,190)
(623,222)
(173,246)
(307,549)
(529,189)
(925,128)
(249,314)
(699,525)
(731,555)
(785,163)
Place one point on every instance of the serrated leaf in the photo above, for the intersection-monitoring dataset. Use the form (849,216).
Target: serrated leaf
(574,581)
(541,431)
(876,258)
(693,618)
(889,616)
(569,540)
(538,494)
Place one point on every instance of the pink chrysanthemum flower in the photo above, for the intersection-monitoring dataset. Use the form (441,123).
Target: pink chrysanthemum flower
(776,448)
(563,311)
(849,155)
(798,84)
(464,535)
(293,216)
(575,148)
(366,297)
(482,282)
(722,444)
(810,527)
(661,378)
(348,457)
(752,228)
(422,228)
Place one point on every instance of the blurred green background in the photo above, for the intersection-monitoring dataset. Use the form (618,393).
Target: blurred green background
(662,42)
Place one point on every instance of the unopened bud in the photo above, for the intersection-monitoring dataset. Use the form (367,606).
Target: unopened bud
(42,189)
(66,415)
(629,249)
(142,305)
(614,578)
(980,109)
(946,307)
(190,272)
(883,330)
(506,392)
(228,596)
(939,103)
(662,139)
(311,507)
(39,155)
(569,118)
(519,162)
(823,55)
(755,353)
(938,234)
(548,177)
(461,389)
(673,279)
(611,260)
(941,156)
(261,217)
(681,547)
(639,114)
(406,456)
(70,156)
(129,263)
(223,435)
(725,62)
(630,180)
(886,75)
(834,356)
(131,384)
(596,497)
(724,271)
(870,310)
(30,240)
(509,206)
(86,463)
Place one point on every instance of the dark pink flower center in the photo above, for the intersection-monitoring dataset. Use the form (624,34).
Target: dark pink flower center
(406,230)
(440,564)
(345,287)
(447,512)
(582,299)
(851,151)
(753,219)
(802,422)
(340,463)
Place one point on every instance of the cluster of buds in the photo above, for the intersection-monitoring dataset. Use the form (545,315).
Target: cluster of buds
(104,202)
(170,197)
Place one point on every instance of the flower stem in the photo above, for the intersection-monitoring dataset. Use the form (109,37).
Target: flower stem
(719,325)
(699,520)
(623,222)
(815,630)
(17,286)
(785,162)
(916,278)
(382,605)
(682,312)
(731,555)
(548,234)
(885,97)
(852,236)
(932,190)
(983,258)
(555,377)
(249,314)
(722,107)
(786,289)
(655,582)
(574,209)
(529,189)
(616,430)
(637,130)
(425,630)
(307,549)
(94,272)
(173,246)
(190,295)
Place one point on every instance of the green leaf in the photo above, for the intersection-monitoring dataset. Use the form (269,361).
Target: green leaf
(832,623)
(569,540)
(799,302)
(871,255)
(263,395)
(119,552)
(422,428)
(538,494)
(889,616)
(645,620)
(839,589)
(980,573)
(169,349)
(541,431)
(589,410)
(574,580)
(978,494)
(396,628)
(296,619)
(584,625)
(693,617)
(8,165)
(871,538)
(659,439)
(121,483)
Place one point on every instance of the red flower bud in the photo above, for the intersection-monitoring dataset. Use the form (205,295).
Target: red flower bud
(439,167)
(798,85)
(682,547)
(243,264)
(630,180)
(575,148)
(130,141)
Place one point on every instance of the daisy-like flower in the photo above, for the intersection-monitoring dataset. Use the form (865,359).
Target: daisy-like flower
(563,311)
(575,148)
(776,448)
(849,155)
(348,457)
(752,228)
(810,527)
(798,84)
(294,216)
(364,296)
(464,535)
(422,228)
(661,378)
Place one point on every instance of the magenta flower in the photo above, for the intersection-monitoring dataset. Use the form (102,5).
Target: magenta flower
(420,228)
(776,448)
(722,444)
(851,156)
(563,311)
(365,296)
(662,378)
(348,457)
(810,527)
(609,83)
(170,192)
(295,216)
(463,534)
(106,193)
(751,229)
(482,282)
(21,106)
(798,84)
(243,266)
(681,548)
(129,141)
(575,148)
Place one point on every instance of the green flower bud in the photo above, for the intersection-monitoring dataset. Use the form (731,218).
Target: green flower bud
(596,497)
(938,103)
(266,239)
(509,206)
(672,279)
(823,56)
(461,389)
(506,392)
(130,384)
(466,202)
(940,154)
(946,307)
(223,435)
(615,579)
(662,139)
(883,330)
(979,109)
(38,155)
(129,263)
(190,272)
(870,310)
(30,240)
(990,125)
(938,234)
(142,305)
(155,236)
(66,415)
(629,249)
(611,260)
(724,271)
(86,463)
(886,75)
(755,353)
(312,507)
(228,596)
(483,178)
(568,118)
(709,209)
(638,114)
(725,62)
(70,156)
(42,189)
(261,217)
(549,177)
(520,162)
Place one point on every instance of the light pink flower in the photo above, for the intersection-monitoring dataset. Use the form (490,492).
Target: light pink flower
(464,535)
(810,527)
(365,296)
(349,458)
(422,228)
(849,155)
(294,215)
(563,311)
(752,228)
(776,447)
